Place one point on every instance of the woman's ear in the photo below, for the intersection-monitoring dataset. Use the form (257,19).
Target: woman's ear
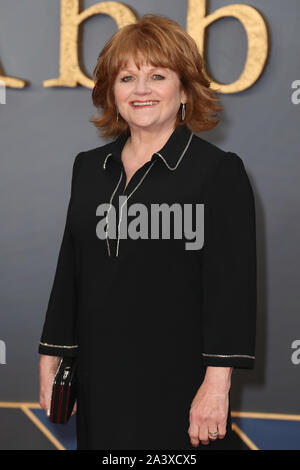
(183,96)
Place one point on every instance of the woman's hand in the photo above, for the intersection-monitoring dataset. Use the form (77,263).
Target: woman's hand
(209,408)
(48,368)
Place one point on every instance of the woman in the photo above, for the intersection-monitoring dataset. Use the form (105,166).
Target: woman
(158,324)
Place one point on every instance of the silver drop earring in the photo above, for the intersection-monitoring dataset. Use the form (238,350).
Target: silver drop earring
(183,112)
(117,115)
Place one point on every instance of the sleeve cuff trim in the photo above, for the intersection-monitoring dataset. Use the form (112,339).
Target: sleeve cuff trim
(228,355)
(59,346)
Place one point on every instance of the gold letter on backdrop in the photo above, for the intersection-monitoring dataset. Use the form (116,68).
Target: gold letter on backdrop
(70,74)
(12,82)
(257,36)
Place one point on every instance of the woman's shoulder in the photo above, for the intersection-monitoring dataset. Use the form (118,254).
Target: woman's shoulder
(102,149)
(213,159)
(93,155)
(224,172)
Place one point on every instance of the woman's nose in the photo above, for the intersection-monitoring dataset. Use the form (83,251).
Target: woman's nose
(142,84)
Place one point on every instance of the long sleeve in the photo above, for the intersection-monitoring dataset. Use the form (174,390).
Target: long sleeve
(59,337)
(229,267)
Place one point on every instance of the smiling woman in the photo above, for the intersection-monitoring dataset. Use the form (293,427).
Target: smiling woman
(157,324)
(154,59)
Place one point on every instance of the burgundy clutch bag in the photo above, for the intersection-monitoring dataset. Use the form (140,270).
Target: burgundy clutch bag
(64,391)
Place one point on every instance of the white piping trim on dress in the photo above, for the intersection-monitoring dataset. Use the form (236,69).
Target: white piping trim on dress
(104,164)
(110,202)
(163,159)
(59,346)
(144,175)
(181,156)
(228,355)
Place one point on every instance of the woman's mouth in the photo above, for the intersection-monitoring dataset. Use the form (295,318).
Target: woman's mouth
(143,104)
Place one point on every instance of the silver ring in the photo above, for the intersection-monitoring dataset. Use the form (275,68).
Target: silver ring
(213,434)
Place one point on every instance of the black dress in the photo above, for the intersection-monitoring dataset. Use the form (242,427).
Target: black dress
(147,315)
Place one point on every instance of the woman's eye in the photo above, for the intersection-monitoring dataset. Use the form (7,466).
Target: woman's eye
(129,76)
(123,79)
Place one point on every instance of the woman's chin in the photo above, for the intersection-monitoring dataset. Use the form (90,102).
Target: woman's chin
(143,121)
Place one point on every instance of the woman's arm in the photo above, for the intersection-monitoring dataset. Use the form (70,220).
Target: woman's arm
(229,267)
(59,335)
(219,376)
(229,293)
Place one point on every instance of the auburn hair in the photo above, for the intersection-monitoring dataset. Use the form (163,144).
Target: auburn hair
(160,42)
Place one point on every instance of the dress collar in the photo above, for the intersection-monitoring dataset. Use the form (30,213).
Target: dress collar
(171,153)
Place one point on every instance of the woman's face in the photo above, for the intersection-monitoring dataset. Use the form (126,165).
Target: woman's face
(150,83)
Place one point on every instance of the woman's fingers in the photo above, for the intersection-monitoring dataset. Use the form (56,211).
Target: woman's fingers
(74,408)
(45,400)
(203,434)
(213,428)
(198,433)
(45,397)
(213,431)
(47,370)
(222,429)
(193,432)
(207,426)
(46,384)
